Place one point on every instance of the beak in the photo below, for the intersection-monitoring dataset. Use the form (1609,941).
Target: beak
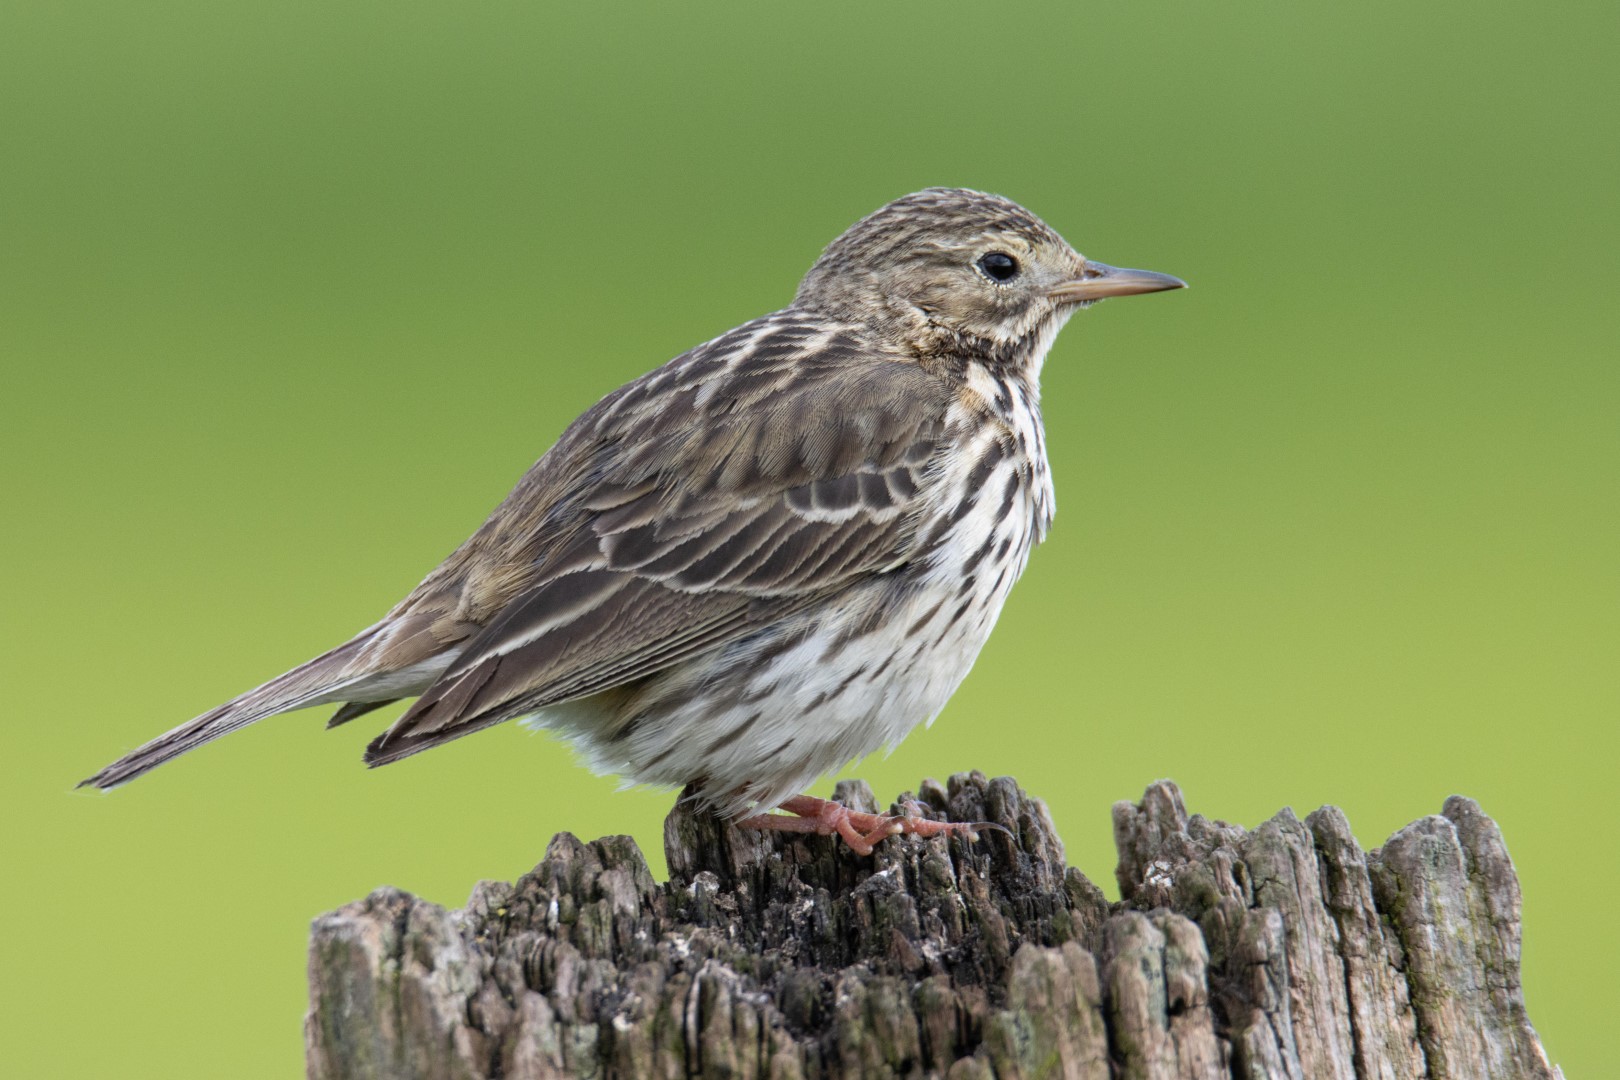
(1099,282)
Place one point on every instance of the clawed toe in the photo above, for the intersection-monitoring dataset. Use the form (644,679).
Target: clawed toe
(859,830)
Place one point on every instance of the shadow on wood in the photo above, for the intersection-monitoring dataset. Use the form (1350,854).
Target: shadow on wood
(1281,952)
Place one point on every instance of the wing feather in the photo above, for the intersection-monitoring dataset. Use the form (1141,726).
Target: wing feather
(694,506)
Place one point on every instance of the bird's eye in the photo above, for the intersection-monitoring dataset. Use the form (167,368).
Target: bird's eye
(999,266)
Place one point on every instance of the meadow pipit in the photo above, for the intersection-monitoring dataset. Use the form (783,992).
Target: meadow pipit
(766,558)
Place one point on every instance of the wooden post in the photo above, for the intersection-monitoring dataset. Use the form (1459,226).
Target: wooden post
(1281,952)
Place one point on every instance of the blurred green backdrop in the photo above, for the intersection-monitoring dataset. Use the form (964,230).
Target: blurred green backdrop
(291,293)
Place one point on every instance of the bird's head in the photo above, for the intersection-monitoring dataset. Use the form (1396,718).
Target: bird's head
(949,266)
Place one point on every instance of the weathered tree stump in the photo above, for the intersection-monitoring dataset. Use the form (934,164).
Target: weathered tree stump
(1282,952)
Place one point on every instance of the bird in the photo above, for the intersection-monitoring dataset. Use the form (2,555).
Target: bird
(767,558)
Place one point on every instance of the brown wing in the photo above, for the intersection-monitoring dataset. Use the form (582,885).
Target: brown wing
(712,496)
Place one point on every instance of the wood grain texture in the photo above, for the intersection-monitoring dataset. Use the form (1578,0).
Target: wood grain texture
(1285,951)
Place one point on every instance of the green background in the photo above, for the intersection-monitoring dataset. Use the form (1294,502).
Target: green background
(291,293)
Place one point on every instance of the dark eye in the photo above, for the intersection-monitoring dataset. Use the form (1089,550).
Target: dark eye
(999,266)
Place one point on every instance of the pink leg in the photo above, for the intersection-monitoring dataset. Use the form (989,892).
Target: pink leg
(860,831)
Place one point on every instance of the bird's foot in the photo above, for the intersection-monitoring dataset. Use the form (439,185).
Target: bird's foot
(860,831)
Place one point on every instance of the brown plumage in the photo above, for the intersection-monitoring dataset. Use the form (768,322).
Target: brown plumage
(774,553)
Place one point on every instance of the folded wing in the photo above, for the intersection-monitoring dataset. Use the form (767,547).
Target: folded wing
(700,503)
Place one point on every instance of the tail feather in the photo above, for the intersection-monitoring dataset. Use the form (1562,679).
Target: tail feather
(321,680)
(354,709)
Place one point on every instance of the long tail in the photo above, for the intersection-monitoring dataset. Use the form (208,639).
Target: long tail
(321,680)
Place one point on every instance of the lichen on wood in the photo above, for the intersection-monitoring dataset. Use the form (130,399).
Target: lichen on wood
(1284,951)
